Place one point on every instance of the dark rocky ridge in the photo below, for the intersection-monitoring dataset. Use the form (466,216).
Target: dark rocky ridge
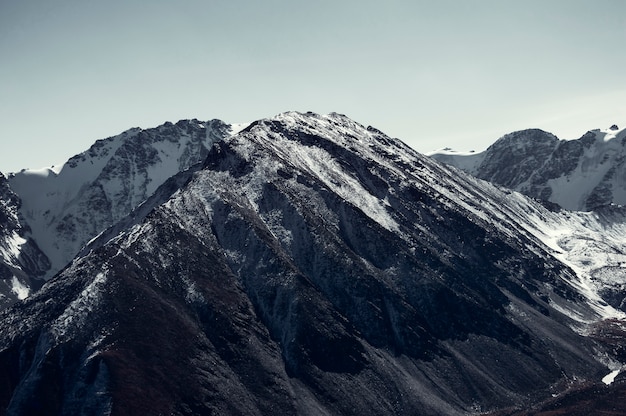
(312,266)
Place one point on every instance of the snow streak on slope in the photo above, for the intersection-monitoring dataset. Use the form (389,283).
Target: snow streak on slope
(19,289)
(79,309)
(592,244)
(600,173)
(10,250)
(11,247)
(318,161)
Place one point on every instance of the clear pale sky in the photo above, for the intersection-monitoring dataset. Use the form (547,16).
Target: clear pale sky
(432,73)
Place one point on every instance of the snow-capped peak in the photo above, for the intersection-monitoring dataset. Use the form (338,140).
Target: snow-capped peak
(580,175)
(67,205)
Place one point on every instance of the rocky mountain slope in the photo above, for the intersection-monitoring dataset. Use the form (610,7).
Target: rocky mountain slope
(579,175)
(64,207)
(315,266)
(21,261)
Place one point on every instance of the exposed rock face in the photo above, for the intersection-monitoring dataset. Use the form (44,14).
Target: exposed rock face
(20,258)
(580,175)
(520,155)
(311,266)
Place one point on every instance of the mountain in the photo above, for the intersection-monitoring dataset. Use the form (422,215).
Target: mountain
(312,265)
(578,175)
(64,207)
(20,258)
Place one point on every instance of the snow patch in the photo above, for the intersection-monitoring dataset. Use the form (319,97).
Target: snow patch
(78,310)
(12,247)
(237,128)
(609,378)
(321,164)
(21,291)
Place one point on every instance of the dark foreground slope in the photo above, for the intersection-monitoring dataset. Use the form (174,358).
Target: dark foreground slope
(312,267)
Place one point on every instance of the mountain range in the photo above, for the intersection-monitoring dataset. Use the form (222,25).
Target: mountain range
(302,264)
(66,206)
(578,175)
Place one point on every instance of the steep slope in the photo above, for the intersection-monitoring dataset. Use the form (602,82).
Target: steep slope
(68,205)
(20,258)
(579,175)
(312,266)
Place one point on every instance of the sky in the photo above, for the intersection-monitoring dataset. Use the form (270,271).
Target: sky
(445,73)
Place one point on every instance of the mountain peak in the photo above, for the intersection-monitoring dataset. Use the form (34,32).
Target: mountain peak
(580,175)
(70,204)
(526,139)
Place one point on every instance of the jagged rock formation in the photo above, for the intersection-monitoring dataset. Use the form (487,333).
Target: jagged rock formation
(579,175)
(310,266)
(20,258)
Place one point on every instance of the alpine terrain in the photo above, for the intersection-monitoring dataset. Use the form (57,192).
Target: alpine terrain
(579,175)
(21,261)
(309,265)
(63,207)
